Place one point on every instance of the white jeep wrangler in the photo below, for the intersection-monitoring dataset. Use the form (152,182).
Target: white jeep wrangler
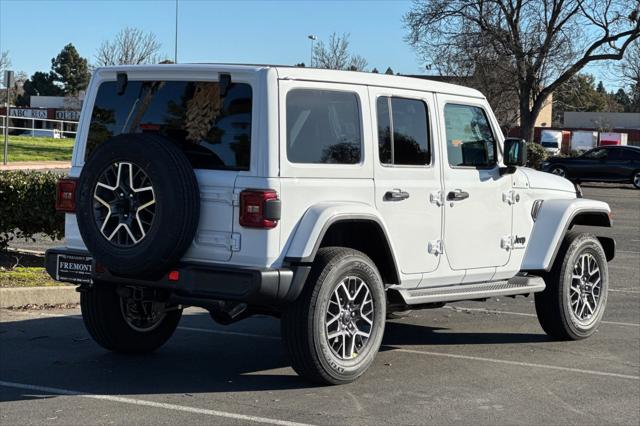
(330,199)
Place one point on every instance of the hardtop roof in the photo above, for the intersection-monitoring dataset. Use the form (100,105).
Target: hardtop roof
(317,74)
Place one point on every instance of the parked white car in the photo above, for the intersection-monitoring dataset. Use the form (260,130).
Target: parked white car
(330,199)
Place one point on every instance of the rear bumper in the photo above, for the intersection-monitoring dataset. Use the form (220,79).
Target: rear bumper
(201,282)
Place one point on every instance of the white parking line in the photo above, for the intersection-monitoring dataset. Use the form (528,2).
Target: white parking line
(145,403)
(518,363)
(522,314)
(622,290)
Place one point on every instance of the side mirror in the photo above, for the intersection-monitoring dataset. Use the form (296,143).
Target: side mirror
(515,152)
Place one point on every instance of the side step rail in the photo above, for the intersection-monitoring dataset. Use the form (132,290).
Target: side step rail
(518,285)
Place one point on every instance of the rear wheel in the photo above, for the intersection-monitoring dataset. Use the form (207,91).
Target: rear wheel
(125,321)
(635,179)
(334,329)
(573,303)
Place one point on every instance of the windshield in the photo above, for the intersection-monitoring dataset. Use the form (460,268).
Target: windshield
(213,131)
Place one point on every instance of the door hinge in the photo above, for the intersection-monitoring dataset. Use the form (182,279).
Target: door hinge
(234,241)
(506,242)
(510,197)
(435,247)
(437,198)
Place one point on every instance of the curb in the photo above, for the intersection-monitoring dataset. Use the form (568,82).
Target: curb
(16,297)
(36,165)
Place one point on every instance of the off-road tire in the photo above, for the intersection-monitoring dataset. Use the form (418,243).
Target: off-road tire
(177,205)
(303,322)
(104,320)
(552,305)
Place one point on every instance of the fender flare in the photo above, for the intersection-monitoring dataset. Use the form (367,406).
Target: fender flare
(314,224)
(554,219)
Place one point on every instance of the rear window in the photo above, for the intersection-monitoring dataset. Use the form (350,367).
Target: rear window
(213,131)
(323,126)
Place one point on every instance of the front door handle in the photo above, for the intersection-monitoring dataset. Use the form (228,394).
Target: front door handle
(457,195)
(396,195)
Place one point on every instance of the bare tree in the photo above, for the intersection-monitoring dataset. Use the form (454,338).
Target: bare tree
(536,44)
(131,46)
(335,55)
(630,71)
(358,63)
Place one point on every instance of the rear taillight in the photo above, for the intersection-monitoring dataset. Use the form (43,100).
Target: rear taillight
(259,208)
(66,195)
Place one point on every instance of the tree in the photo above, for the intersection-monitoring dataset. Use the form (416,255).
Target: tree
(375,71)
(541,44)
(335,55)
(40,84)
(71,70)
(579,93)
(131,46)
(622,99)
(389,71)
(630,71)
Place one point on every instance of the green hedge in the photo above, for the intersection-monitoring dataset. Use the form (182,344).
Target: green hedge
(536,154)
(27,206)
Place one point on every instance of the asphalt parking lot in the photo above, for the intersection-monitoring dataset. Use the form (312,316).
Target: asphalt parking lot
(466,363)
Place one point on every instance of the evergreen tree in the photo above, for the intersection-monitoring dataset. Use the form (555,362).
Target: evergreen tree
(71,70)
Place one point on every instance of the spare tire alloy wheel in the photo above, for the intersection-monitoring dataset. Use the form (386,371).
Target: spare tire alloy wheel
(124,204)
(137,205)
(349,318)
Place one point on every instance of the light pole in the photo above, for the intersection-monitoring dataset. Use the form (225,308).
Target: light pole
(175,47)
(312,38)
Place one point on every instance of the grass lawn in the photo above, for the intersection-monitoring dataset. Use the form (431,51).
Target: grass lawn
(22,276)
(25,148)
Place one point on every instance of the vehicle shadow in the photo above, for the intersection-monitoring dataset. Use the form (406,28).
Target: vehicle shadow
(58,352)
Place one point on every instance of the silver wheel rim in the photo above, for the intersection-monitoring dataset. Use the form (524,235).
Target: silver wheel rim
(636,180)
(586,289)
(349,318)
(558,172)
(142,315)
(124,204)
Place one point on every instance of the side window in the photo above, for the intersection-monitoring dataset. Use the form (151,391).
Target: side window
(403,131)
(323,127)
(470,141)
(632,154)
(596,154)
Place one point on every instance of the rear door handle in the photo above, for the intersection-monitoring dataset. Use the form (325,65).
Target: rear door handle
(457,195)
(396,195)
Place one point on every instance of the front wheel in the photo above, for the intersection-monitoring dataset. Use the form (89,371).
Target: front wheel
(635,179)
(573,303)
(126,321)
(334,329)
(559,171)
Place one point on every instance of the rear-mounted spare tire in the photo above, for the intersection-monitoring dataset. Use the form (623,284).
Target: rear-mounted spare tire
(137,205)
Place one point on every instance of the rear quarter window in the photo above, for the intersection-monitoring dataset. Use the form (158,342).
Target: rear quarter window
(213,131)
(323,127)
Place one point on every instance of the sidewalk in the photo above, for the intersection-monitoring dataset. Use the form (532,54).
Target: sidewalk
(35,165)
